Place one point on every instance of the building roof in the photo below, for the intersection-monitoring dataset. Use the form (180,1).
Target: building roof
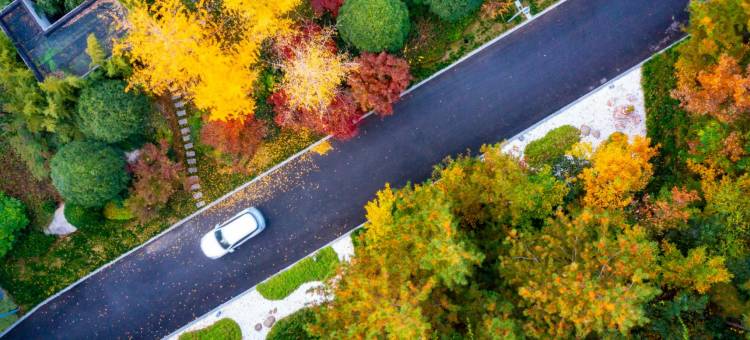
(60,47)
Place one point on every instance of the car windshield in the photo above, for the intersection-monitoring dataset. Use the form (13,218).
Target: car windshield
(220,238)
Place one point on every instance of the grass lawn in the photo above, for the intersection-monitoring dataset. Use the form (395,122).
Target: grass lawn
(224,329)
(315,268)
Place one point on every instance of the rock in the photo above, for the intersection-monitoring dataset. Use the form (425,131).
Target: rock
(269,321)
(585,130)
(132,156)
(59,225)
(258,327)
(275,310)
(596,133)
(521,138)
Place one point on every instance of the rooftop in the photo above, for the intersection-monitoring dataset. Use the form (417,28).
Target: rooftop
(60,47)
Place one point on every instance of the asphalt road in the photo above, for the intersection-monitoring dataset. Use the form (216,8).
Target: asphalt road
(493,95)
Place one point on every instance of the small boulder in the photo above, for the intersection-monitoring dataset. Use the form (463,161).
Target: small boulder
(269,321)
(132,156)
(585,130)
(258,327)
(596,133)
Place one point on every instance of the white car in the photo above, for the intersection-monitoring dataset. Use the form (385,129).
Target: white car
(226,237)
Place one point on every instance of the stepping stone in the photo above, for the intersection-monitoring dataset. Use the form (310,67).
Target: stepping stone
(192,170)
(200,204)
(188,146)
(197,195)
(176,96)
(195,187)
(186,138)
(191,161)
(181,113)
(180,104)
(194,179)
(182,122)
(190,154)
(185,131)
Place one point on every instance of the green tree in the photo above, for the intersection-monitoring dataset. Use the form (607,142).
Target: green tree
(590,273)
(452,10)
(88,173)
(374,25)
(110,114)
(550,148)
(697,271)
(95,51)
(12,219)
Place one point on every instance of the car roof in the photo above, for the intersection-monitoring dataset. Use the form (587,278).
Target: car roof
(238,228)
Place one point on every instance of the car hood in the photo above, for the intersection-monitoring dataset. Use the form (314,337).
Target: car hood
(211,247)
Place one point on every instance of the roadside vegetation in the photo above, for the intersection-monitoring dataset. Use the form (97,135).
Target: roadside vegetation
(262,80)
(224,329)
(643,237)
(318,267)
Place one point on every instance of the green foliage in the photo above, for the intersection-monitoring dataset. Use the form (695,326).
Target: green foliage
(678,318)
(453,10)
(88,173)
(95,51)
(55,9)
(374,25)
(83,217)
(666,123)
(117,211)
(550,148)
(32,150)
(224,329)
(293,326)
(110,114)
(12,219)
(317,268)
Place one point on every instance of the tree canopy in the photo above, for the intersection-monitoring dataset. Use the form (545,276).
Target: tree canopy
(109,113)
(374,25)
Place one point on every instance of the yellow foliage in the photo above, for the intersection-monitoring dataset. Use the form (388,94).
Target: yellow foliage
(174,48)
(618,170)
(313,73)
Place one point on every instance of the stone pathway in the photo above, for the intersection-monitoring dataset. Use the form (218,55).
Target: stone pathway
(192,168)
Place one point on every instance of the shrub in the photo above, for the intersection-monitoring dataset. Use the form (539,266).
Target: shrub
(12,219)
(548,149)
(117,211)
(88,173)
(234,138)
(322,6)
(54,9)
(82,217)
(374,25)
(293,326)
(452,10)
(157,178)
(378,81)
(109,114)
(224,329)
(316,268)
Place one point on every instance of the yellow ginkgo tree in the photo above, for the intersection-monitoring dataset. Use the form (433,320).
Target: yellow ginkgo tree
(175,48)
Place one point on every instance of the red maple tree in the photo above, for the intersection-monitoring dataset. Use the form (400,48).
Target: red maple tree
(237,138)
(378,81)
(322,6)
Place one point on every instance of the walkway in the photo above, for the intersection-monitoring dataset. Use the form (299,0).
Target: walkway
(311,200)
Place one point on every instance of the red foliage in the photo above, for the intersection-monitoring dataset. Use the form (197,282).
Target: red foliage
(286,45)
(339,119)
(235,137)
(157,178)
(379,81)
(321,6)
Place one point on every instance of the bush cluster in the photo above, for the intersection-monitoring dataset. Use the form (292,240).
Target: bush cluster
(110,114)
(548,149)
(293,326)
(12,219)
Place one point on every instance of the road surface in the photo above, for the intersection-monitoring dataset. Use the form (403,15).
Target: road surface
(493,95)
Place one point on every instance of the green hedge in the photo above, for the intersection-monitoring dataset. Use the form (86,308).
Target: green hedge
(374,25)
(666,123)
(548,149)
(293,326)
(315,268)
(12,219)
(224,329)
